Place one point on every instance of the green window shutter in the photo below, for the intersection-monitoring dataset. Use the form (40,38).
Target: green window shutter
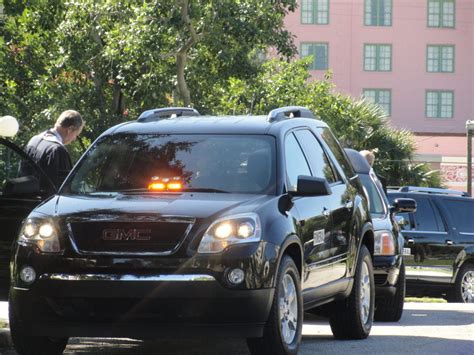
(321,55)
(319,51)
(378,13)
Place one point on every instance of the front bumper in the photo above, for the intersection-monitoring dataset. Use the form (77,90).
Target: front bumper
(386,271)
(108,305)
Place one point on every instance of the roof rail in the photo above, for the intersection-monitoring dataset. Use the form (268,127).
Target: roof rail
(167,112)
(283,113)
(433,190)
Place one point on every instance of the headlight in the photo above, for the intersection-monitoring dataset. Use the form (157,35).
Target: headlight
(236,229)
(384,243)
(40,232)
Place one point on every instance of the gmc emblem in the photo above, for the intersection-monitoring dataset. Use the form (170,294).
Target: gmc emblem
(126,234)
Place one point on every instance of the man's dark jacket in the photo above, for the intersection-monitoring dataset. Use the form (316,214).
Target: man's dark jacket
(51,155)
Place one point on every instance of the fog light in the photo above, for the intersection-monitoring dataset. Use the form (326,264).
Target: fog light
(28,275)
(236,276)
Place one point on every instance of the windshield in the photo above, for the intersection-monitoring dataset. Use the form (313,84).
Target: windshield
(376,206)
(210,163)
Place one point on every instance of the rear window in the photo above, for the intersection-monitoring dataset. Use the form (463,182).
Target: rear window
(462,214)
(226,163)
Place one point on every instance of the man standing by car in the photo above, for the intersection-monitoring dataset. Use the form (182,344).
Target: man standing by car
(48,149)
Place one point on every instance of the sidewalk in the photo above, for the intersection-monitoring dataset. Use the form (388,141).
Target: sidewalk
(5,339)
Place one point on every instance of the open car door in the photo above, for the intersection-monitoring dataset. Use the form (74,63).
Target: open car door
(20,193)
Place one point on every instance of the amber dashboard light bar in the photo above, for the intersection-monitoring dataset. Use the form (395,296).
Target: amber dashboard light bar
(165,184)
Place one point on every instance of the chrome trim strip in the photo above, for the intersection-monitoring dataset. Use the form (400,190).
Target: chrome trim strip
(421,232)
(118,277)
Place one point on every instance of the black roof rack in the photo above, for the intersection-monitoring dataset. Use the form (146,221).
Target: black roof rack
(283,113)
(161,113)
(433,190)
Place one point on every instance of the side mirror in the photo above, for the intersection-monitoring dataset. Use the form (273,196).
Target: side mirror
(25,185)
(311,186)
(403,205)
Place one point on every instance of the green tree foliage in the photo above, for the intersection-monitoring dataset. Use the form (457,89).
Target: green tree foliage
(358,124)
(112,59)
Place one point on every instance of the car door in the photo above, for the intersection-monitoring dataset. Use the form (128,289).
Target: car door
(432,254)
(336,239)
(14,205)
(313,217)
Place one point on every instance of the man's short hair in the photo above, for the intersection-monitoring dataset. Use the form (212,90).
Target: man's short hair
(70,118)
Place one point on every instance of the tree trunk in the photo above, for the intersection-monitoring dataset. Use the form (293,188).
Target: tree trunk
(181,58)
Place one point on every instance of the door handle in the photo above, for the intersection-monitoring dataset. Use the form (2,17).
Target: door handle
(449,242)
(326,212)
(349,204)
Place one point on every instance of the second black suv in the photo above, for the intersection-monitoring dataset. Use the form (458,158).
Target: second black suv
(440,243)
(189,225)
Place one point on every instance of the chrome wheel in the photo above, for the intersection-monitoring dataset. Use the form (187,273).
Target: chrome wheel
(288,309)
(467,287)
(364,302)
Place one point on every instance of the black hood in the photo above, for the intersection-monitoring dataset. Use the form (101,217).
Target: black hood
(197,205)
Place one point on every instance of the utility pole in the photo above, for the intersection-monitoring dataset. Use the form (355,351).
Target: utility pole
(469,129)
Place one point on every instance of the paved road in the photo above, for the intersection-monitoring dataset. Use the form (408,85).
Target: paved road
(425,328)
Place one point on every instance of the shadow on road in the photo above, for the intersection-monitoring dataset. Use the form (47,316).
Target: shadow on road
(419,317)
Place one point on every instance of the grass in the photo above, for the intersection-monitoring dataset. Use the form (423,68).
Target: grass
(3,324)
(425,299)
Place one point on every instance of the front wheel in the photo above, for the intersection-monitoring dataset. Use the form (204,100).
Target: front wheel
(353,317)
(282,334)
(463,289)
(26,344)
(390,309)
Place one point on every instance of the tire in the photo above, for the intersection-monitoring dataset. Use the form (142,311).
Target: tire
(390,309)
(273,341)
(26,344)
(353,317)
(463,289)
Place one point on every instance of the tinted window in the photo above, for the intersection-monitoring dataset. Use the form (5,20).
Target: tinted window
(295,162)
(124,162)
(336,149)
(317,158)
(462,214)
(427,217)
(13,166)
(375,200)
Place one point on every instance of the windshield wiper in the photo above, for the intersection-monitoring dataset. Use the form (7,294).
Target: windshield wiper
(204,189)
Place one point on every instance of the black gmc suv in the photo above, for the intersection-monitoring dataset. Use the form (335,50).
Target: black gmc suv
(440,243)
(198,225)
(389,268)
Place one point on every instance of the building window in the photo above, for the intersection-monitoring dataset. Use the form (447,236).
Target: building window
(441,13)
(439,104)
(378,13)
(315,12)
(440,59)
(319,51)
(380,97)
(378,57)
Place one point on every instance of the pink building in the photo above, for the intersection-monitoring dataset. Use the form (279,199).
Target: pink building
(412,57)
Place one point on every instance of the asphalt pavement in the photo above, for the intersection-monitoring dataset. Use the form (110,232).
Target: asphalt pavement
(425,328)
